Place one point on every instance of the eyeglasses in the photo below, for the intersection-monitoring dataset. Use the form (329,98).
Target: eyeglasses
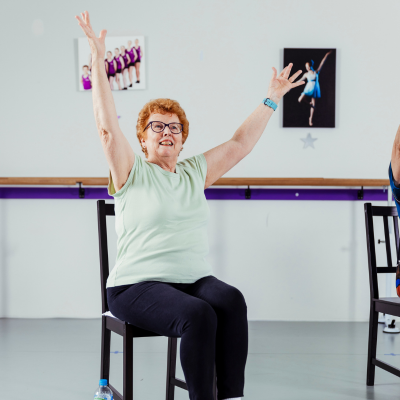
(158,126)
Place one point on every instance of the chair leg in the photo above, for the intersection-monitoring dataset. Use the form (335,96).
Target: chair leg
(372,342)
(171,367)
(128,363)
(105,350)
(215,391)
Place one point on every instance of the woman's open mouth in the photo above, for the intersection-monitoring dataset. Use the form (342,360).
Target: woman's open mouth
(166,143)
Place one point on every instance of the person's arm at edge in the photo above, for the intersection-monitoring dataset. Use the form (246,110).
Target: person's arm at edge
(395,160)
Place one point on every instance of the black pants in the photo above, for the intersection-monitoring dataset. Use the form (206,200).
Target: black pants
(208,315)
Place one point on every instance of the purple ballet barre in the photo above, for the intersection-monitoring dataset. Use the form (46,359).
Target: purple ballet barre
(32,188)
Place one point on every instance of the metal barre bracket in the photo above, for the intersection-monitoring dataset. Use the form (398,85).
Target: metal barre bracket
(81,191)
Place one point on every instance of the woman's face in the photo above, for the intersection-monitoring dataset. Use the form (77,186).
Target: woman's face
(137,42)
(85,70)
(129,43)
(109,54)
(116,52)
(173,144)
(122,49)
(307,66)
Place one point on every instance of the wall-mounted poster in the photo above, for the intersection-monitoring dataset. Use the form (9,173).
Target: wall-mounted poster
(124,63)
(311,104)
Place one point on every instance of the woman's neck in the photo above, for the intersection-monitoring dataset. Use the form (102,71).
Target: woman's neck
(166,165)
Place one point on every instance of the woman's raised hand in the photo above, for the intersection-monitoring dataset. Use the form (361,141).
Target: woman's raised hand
(281,84)
(97,44)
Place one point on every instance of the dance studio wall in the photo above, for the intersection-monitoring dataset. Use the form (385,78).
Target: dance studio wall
(307,259)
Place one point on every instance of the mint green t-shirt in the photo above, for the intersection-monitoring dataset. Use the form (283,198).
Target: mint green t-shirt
(161,221)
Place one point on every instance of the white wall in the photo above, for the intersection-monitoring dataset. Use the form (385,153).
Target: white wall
(309,259)
(49,126)
(292,260)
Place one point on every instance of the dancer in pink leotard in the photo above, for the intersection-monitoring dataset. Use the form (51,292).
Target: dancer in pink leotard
(133,55)
(111,68)
(119,61)
(86,79)
(127,61)
(138,59)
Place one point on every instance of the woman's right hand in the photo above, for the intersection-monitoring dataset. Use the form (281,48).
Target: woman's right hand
(97,44)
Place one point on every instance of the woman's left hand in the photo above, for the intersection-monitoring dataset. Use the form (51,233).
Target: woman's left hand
(281,84)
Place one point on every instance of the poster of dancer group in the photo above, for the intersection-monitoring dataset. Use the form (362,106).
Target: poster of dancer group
(311,105)
(124,63)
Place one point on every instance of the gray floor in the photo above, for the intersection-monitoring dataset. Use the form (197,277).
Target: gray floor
(60,359)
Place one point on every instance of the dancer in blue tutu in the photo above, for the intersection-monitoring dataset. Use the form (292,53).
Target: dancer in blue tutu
(312,88)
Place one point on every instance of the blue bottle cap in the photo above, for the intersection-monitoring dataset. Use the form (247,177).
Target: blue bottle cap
(103,382)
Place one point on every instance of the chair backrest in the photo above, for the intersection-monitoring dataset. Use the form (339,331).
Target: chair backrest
(384,212)
(103,210)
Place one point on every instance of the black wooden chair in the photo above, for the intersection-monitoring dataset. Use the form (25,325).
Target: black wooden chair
(126,330)
(386,305)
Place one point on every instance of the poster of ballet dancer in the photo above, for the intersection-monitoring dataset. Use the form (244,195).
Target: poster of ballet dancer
(311,105)
(124,63)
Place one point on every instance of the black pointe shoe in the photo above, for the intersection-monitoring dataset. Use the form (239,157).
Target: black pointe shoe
(130,85)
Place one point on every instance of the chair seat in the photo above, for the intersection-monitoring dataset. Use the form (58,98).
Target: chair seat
(395,300)
(388,305)
(109,314)
(116,325)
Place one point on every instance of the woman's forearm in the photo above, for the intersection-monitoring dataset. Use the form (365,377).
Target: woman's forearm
(103,102)
(253,127)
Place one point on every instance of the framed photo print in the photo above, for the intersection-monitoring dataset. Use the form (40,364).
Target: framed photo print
(124,63)
(311,105)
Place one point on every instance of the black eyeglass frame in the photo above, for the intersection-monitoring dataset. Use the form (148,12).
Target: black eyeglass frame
(172,123)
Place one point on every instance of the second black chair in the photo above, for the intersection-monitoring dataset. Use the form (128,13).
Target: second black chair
(386,305)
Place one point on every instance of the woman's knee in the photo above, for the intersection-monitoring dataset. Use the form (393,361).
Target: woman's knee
(234,299)
(202,314)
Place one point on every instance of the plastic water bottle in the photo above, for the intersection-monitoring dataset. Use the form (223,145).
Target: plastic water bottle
(103,392)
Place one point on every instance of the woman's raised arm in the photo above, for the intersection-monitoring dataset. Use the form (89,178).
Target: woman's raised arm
(222,158)
(119,153)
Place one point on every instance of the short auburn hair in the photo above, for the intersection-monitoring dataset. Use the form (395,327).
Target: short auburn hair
(160,106)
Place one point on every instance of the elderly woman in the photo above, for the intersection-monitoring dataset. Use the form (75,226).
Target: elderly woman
(161,281)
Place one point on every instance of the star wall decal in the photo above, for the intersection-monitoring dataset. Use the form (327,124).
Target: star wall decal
(308,141)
